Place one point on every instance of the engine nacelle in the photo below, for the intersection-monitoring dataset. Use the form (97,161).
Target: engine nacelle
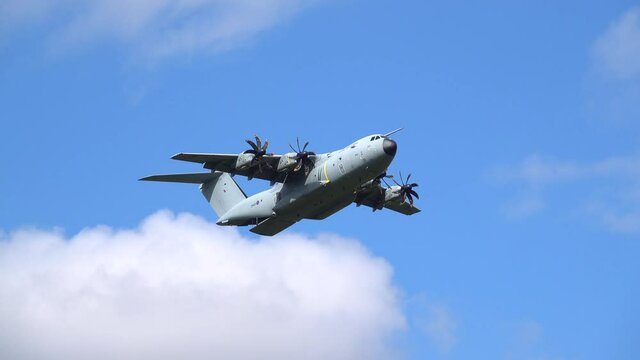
(287,162)
(244,161)
(392,193)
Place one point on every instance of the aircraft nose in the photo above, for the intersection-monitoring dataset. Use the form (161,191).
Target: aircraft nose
(390,147)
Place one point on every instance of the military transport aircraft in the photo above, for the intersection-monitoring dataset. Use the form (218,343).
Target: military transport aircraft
(305,185)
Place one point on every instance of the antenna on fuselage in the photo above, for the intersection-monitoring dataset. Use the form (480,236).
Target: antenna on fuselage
(393,132)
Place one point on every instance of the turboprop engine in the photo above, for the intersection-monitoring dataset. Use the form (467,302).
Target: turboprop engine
(244,160)
(253,156)
(287,162)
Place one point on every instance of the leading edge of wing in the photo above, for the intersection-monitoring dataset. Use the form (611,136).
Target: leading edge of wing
(203,157)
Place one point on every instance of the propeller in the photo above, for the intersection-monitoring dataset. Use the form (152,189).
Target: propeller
(258,150)
(302,157)
(406,189)
(381,178)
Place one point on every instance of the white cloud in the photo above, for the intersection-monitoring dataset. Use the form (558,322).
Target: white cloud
(154,29)
(528,333)
(440,327)
(179,287)
(613,82)
(619,221)
(538,170)
(528,343)
(617,51)
(535,169)
(610,187)
(525,206)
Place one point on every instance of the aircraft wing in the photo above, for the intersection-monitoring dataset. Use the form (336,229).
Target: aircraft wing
(373,197)
(203,158)
(402,207)
(227,163)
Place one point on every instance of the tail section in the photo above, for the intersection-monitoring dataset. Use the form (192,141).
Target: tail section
(219,188)
(222,192)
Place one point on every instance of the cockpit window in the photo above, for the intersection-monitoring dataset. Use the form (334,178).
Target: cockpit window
(373,137)
(377,137)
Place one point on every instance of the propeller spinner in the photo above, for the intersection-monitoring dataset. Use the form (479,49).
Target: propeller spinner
(302,157)
(406,189)
(258,150)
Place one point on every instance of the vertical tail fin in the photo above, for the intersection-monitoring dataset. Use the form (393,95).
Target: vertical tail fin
(222,192)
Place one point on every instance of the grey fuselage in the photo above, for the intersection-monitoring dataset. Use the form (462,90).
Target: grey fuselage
(329,187)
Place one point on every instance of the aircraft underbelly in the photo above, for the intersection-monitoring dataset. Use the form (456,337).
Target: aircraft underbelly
(323,212)
(325,200)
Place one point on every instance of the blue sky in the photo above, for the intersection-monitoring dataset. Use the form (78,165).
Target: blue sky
(521,127)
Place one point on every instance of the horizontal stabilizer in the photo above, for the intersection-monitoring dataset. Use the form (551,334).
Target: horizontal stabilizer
(272,226)
(194,178)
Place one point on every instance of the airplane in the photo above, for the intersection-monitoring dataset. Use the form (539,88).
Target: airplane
(304,185)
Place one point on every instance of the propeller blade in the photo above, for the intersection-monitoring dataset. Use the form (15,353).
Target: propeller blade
(408,177)
(253,145)
(258,142)
(414,194)
(305,146)
(381,176)
(394,180)
(410,198)
(266,145)
(298,141)
(294,150)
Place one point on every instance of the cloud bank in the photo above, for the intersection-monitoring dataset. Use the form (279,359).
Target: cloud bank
(154,29)
(179,287)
